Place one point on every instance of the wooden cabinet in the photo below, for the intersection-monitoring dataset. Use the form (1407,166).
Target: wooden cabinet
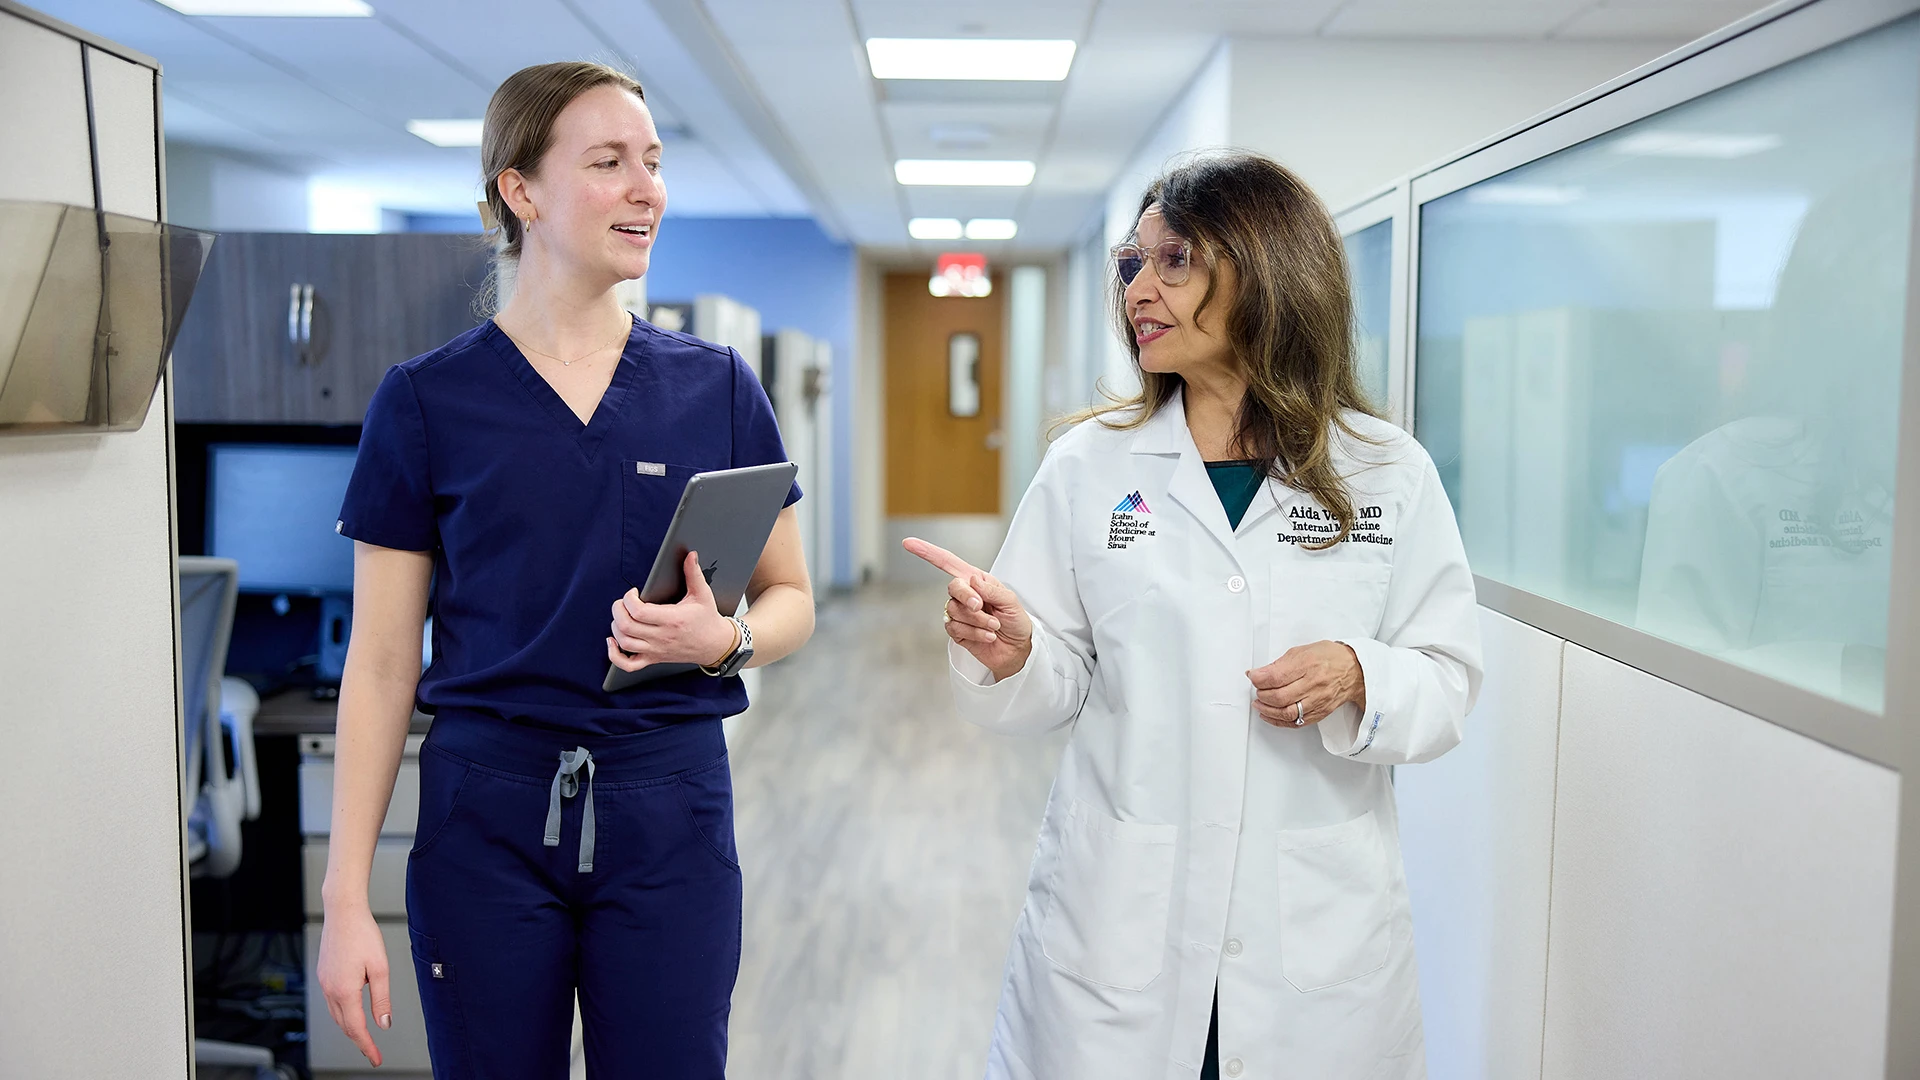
(252,349)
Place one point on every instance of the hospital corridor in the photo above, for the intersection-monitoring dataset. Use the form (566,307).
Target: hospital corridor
(1006,540)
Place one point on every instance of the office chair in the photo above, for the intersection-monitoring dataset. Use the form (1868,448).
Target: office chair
(222,786)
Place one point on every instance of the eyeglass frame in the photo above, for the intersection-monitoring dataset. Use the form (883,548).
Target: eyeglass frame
(1153,255)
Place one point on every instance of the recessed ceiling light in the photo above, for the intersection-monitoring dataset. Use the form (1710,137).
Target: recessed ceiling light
(964,173)
(305,9)
(1681,144)
(991,228)
(934,228)
(447,132)
(969,58)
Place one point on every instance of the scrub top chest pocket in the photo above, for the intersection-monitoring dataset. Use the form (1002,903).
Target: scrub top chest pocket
(649,494)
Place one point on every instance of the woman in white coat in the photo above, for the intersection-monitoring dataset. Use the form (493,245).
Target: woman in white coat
(1247,595)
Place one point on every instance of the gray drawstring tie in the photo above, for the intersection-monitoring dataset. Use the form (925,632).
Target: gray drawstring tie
(566,784)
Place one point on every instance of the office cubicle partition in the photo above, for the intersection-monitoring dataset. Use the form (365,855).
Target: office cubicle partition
(1654,341)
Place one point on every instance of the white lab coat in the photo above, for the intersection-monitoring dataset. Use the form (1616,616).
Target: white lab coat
(1186,840)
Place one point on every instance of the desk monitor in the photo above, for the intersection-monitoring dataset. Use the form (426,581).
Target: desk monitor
(272,509)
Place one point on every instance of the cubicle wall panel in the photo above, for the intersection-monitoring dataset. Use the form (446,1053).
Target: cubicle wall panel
(123,103)
(45,137)
(93,979)
(1476,827)
(1722,891)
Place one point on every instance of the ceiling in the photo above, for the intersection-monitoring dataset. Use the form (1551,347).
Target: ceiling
(767,106)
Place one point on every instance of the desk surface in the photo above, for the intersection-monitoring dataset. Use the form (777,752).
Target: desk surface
(295,712)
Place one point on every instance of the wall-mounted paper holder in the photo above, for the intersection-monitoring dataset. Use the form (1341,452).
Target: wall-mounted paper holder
(89,306)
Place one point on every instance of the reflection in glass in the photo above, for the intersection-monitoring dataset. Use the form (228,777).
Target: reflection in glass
(1370,265)
(89,305)
(1659,371)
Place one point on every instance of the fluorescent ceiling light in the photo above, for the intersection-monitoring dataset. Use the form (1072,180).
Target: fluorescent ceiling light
(1680,144)
(447,132)
(1525,195)
(934,228)
(964,173)
(969,58)
(308,9)
(991,228)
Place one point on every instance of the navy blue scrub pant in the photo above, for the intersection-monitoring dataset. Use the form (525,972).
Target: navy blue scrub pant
(507,926)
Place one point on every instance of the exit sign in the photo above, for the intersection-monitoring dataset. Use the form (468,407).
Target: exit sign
(960,273)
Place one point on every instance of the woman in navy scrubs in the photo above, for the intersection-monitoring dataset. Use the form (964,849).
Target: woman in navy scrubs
(569,840)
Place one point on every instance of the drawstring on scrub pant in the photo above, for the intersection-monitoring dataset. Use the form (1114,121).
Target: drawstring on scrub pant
(566,784)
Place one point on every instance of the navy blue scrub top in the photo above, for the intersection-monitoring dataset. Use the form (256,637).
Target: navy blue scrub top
(537,523)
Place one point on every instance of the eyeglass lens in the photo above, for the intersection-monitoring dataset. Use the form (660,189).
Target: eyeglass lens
(1170,262)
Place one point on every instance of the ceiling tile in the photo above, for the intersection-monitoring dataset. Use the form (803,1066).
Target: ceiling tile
(1446,18)
(1670,21)
(977,18)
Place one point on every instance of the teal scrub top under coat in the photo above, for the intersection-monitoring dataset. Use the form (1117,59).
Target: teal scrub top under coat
(1237,482)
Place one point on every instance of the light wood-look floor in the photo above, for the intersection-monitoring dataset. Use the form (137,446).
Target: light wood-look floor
(885,845)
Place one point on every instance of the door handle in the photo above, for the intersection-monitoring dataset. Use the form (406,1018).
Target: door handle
(300,322)
(293,322)
(306,323)
(996,439)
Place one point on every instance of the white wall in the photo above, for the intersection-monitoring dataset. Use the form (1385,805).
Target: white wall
(1198,118)
(214,189)
(92,957)
(1352,116)
(1614,876)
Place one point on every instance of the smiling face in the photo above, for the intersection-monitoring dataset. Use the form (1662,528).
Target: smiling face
(597,197)
(1174,337)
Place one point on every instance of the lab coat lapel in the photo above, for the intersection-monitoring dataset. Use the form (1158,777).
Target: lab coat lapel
(1167,434)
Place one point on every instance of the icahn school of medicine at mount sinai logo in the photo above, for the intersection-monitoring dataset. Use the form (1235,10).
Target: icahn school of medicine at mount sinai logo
(1129,523)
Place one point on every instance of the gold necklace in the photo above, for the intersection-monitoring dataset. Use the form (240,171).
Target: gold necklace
(569,363)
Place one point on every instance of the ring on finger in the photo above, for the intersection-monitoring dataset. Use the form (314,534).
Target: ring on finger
(946,616)
(1299,713)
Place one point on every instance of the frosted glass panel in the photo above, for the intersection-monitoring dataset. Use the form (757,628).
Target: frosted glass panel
(1659,371)
(1370,265)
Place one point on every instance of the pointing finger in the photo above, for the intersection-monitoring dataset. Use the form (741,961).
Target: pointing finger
(940,557)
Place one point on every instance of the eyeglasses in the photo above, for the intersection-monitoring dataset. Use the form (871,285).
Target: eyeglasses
(1172,261)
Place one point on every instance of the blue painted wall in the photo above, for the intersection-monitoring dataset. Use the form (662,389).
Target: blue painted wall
(796,276)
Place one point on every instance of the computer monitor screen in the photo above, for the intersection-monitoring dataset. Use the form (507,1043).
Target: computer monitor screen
(272,509)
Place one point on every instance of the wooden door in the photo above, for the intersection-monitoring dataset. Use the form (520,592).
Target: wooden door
(937,462)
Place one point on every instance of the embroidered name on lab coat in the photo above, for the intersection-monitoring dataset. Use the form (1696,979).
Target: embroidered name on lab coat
(1312,525)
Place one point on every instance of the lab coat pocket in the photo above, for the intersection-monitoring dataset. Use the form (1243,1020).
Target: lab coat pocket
(1106,918)
(1319,600)
(649,494)
(1335,903)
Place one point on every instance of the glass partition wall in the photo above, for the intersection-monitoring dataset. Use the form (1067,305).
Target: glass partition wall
(1659,369)
(1377,271)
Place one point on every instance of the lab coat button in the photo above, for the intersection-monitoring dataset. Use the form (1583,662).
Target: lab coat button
(1236,583)
(1233,1067)
(1233,946)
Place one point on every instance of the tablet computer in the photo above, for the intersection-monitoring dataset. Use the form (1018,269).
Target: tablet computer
(727,517)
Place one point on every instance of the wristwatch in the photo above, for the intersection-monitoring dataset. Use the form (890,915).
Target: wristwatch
(735,661)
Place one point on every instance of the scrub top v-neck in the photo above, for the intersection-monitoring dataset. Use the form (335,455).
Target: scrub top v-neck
(537,522)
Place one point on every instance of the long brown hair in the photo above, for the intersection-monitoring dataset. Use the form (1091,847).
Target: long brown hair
(518,130)
(1289,323)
